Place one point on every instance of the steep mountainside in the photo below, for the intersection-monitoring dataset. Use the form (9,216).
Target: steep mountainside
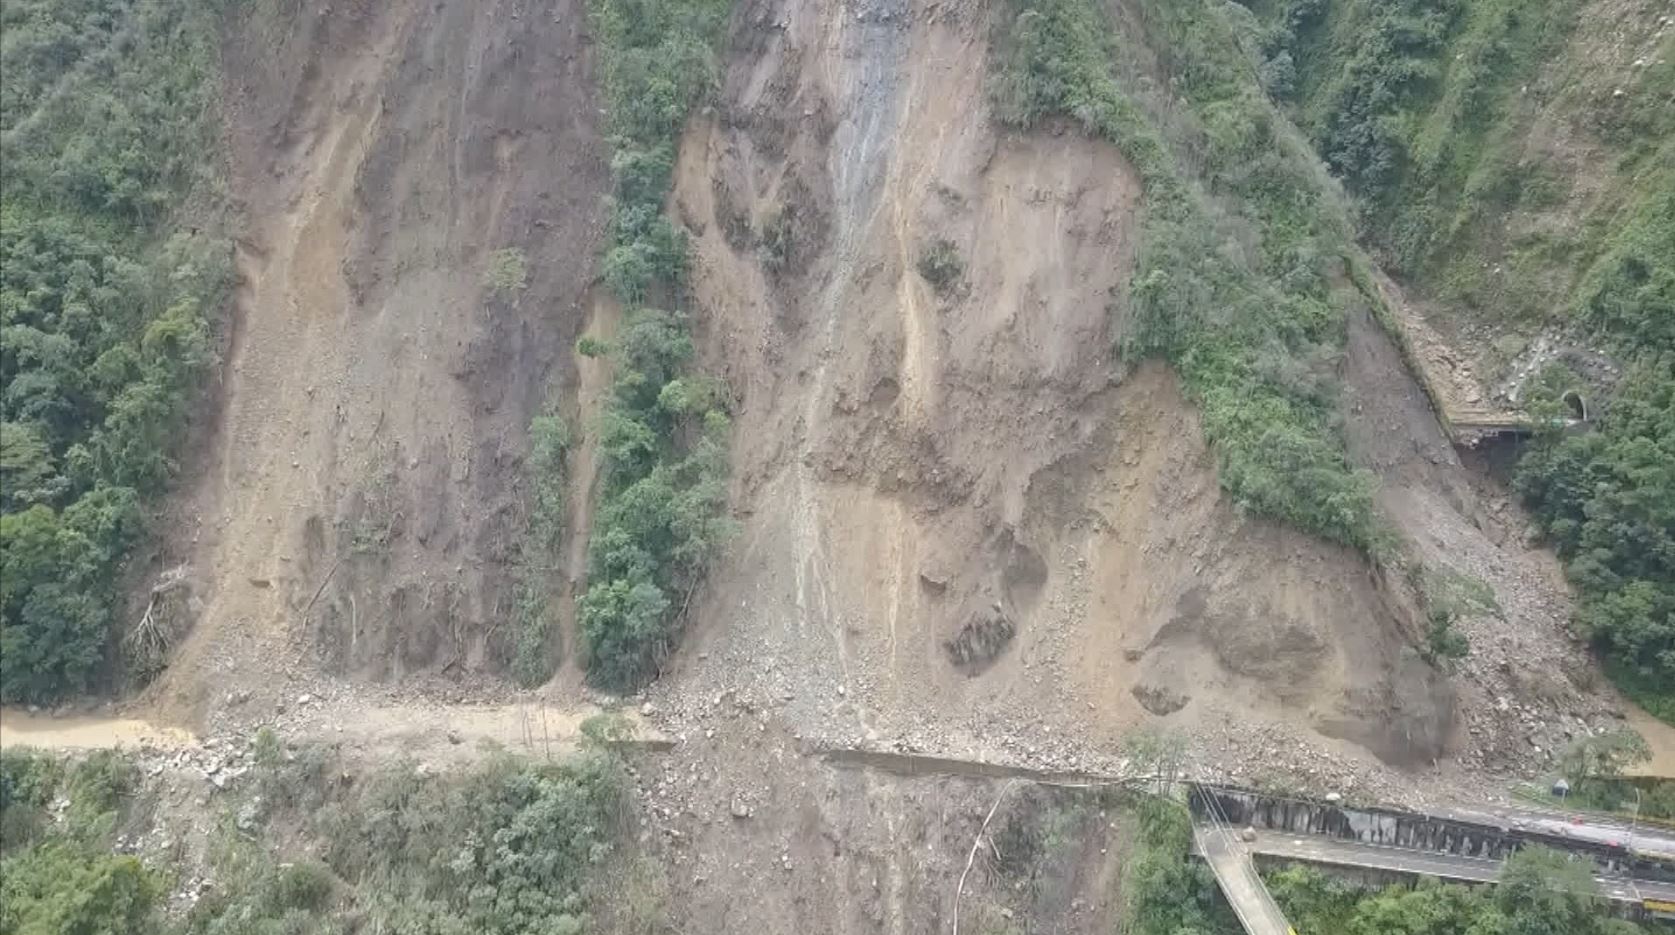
(362,498)
(1052,391)
(946,423)
(1514,165)
(967,524)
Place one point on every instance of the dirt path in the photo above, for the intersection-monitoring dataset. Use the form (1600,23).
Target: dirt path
(435,734)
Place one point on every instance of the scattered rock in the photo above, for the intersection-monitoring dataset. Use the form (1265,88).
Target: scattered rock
(249,815)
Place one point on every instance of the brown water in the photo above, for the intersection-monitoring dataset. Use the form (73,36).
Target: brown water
(19,728)
(1659,736)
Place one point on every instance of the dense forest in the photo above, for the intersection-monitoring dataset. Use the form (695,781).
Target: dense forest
(113,268)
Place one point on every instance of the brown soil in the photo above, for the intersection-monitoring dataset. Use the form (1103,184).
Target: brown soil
(917,465)
(362,501)
(965,528)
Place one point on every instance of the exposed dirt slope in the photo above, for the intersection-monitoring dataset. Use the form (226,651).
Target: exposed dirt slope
(963,527)
(361,500)
(1529,686)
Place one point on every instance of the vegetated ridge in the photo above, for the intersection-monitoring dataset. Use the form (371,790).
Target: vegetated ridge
(1514,164)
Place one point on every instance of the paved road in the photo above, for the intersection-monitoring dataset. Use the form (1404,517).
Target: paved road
(1244,890)
(1581,826)
(1323,850)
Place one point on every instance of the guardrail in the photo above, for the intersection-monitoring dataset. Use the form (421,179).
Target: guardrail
(1221,828)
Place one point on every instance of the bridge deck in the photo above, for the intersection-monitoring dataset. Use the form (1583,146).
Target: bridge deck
(1340,853)
(1236,874)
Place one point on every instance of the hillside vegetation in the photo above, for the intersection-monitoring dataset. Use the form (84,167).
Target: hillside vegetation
(510,847)
(1541,892)
(113,268)
(1515,161)
(1238,280)
(664,428)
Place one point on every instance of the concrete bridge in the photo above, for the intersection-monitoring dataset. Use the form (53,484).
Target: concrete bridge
(1380,846)
(1235,872)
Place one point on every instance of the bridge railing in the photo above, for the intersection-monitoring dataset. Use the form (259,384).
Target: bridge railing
(1221,829)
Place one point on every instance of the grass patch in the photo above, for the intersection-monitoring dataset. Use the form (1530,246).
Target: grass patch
(507,273)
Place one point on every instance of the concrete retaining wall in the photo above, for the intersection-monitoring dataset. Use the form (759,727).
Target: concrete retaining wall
(1406,829)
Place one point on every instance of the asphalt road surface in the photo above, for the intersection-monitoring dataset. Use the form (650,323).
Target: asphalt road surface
(1580,826)
(1323,850)
(1245,892)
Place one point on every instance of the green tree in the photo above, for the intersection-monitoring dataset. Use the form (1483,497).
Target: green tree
(27,472)
(104,304)
(58,888)
(1603,756)
(1546,892)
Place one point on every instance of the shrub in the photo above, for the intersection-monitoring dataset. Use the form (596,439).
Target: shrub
(941,265)
(28,780)
(97,786)
(507,273)
(533,653)
(1449,595)
(1443,641)
(60,887)
(504,851)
